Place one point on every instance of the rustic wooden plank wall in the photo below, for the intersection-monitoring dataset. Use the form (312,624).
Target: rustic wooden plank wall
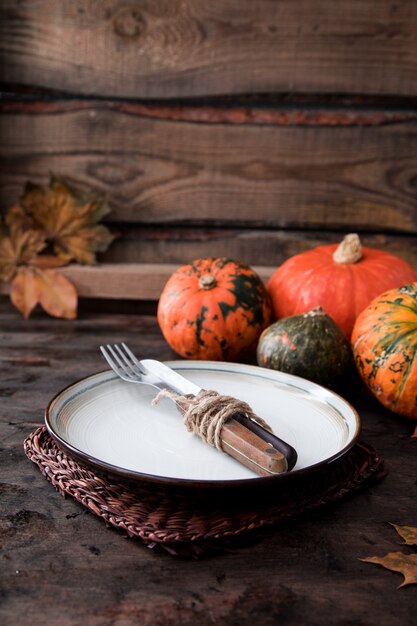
(253,130)
(177,48)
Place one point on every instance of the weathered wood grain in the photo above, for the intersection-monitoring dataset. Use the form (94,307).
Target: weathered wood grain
(156,171)
(124,280)
(61,565)
(261,110)
(145,262)
(182,48)
(178,245)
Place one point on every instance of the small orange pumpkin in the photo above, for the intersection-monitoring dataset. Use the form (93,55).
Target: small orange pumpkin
(213,309)
(384,342)
(342,279)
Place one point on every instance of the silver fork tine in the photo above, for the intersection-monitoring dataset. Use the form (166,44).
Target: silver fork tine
(130,360)
(134,359)
(119,362)
(107,357)
(122,356)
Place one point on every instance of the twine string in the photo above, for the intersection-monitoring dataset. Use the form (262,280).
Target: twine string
(206,413)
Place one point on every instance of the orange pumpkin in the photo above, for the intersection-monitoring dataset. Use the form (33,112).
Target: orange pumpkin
(341,279)
(384,342)
(213,309)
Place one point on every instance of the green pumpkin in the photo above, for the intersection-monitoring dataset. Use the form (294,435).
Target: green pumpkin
(309,345)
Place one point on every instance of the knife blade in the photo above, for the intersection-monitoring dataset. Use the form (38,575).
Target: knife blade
(168,375)
(243,438)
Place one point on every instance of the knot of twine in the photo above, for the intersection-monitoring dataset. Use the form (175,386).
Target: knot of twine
(206,413)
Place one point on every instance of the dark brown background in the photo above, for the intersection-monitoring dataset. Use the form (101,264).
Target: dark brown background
(249,129)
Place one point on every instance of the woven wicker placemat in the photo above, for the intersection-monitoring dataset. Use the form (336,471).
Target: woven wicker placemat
(188,522)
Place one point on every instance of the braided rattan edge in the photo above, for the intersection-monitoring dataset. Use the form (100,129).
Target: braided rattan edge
(179,523)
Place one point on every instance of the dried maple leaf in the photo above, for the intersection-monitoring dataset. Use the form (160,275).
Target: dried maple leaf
(52,290)
(18,247)
(408,533)
(70,226)
(47,262)
(58,296)
(24,291)
(405,564)
(52,218)
(16,218)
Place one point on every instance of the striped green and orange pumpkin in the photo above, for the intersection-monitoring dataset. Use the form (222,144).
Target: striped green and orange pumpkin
(384,342)
(213,309)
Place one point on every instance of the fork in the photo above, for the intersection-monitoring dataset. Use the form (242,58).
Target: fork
(239,439)
(125,364)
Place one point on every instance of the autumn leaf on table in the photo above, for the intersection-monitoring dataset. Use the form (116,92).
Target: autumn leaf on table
(49,228)
(18,247)
(16,219)
(51,289)
(24,291)
(68,224)
(33,280)
(405,564)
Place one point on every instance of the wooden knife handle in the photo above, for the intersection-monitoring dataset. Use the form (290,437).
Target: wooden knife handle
(282,446)
(251,445)
(252,451)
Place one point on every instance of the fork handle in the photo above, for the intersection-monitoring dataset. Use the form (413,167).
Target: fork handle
(249,448)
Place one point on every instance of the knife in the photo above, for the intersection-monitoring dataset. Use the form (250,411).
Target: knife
(242,438)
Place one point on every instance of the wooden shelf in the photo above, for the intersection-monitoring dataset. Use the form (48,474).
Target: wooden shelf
(124,281)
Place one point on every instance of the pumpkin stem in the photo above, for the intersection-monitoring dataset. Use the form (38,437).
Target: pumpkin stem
(206,281)
(315,312)
(349,250)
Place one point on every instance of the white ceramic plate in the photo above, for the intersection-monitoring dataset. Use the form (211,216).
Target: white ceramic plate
(112,424)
